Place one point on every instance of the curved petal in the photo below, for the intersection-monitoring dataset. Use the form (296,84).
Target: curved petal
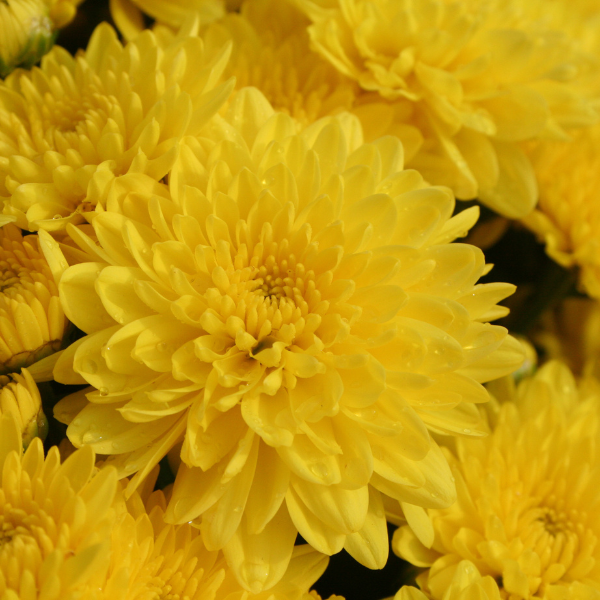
(370,545)
(260,560)
(319,535)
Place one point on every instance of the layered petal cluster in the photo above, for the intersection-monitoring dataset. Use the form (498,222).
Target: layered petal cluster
(528,508)
(55,521)
(567,217)
(20,397)
(32,321)
(271,52)
(293,309)
(171,561)
(28,29)
(71,125)
(466,583)
(66,533)
(476,78)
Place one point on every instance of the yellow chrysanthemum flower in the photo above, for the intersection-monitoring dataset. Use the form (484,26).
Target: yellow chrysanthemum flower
(292,306)
(476,78)
(55,521)
(28,29)
(19,396)
(271,51)
(466,583)
(528,508)
(67,128)
(567,217)
(32,321)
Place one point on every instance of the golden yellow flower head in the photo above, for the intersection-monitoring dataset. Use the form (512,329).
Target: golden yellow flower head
(68,127)
(55,520)
(567,217)
(32,321)
(466,583)
(19,396)
(293,308)
(476,78)
(528,508)
(28,29)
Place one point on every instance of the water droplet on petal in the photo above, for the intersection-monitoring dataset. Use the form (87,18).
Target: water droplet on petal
(56,217)
(319,470)
(103,391)
(89,366)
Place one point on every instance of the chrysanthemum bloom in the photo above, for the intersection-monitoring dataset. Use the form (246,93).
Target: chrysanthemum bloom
(55,521)
(293,307)
(477,78)
(466,583)
(28,29)
(528,508)
(19,396)
(32,321)
(70,126)
(567,217)
(271,51)
(171,561)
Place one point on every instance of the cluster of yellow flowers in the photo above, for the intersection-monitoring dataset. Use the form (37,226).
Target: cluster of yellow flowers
(235,231)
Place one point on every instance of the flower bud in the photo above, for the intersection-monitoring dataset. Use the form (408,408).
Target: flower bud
(19,396)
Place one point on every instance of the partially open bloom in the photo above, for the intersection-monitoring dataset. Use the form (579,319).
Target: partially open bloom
(476,78)
(528,508)
(19,396)
(28,29)
(567,217)
(466,583)
(55,521)
(68,127)
(292,307)
(32,321)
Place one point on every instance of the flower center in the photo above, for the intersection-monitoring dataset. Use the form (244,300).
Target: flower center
(267,292)
(555,522)
(65,113)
